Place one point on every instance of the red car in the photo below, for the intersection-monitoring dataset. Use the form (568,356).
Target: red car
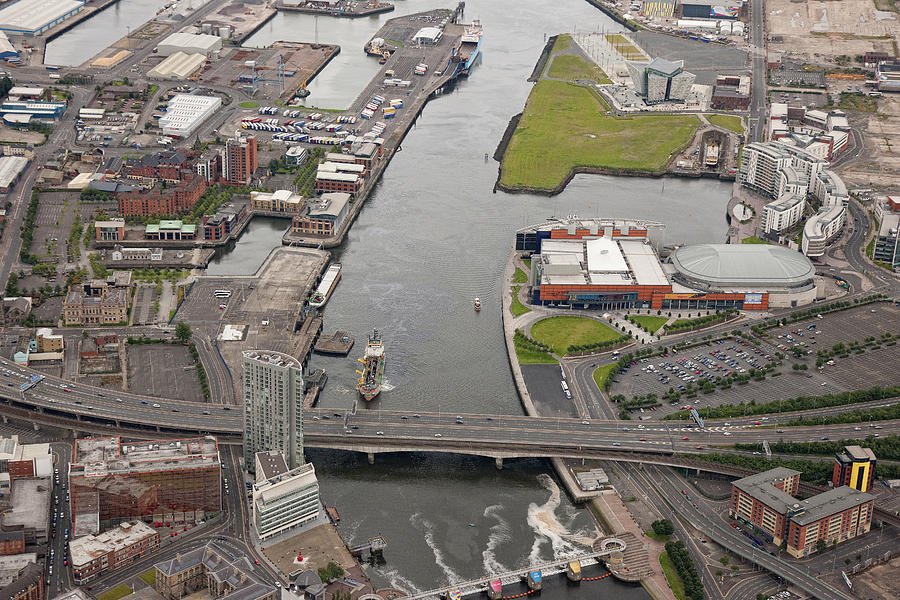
(757,423)
(256,561)
(643,439)
(699,447)
(685,438)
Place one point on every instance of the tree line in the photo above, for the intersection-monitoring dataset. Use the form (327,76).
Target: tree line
(693,587)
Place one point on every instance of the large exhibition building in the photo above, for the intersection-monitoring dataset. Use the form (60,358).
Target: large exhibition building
(612,264)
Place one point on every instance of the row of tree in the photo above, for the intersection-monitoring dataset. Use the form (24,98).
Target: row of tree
(693,586)
(886,448)
(688,324)
(727,411)
(604,345)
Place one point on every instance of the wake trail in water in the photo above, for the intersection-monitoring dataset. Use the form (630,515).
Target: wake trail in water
(500,533)
(398,581)
(421,523)
(547,528)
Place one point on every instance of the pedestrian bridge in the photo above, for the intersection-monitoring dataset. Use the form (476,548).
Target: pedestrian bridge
(477,586)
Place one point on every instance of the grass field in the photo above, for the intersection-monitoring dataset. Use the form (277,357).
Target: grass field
(517,308)
(571,67)
(520,276)
(659,538)
(727,121)
(648,322)
(249,104)
(120,591)
(753,240)
(149,576)
(527,262)
(857,102)
(561,332)
(672,575)
(624,46)
(601,374)
(566,126)
(531,356)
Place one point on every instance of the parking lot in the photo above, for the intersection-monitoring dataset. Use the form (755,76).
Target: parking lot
(733,357)
(163,370)
(143,308)
(543,383)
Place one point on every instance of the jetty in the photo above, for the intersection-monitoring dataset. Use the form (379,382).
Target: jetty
(339,343)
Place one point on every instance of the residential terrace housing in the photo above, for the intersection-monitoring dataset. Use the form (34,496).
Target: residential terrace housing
(28,584)
(98,301)
(112,481)
(94,555)
(224,576)
(765,501)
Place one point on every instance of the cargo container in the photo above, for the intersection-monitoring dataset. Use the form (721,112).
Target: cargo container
(397,103)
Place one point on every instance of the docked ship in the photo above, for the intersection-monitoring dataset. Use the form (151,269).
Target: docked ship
(326,286)
(369,383)
(712,154)
(469,47)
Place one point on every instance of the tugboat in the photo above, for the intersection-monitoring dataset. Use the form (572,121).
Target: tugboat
(477,304)
(495,589)
(573,571)
(369,383)
(535,580)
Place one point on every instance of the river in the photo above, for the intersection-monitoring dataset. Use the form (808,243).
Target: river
(99,31)
(431,238)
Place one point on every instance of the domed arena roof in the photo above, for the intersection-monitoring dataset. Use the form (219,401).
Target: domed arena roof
(755,265)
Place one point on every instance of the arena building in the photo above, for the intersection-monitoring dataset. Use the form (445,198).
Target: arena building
(613,265)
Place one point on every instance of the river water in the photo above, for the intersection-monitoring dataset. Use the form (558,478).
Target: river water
(93,35)
(432,237)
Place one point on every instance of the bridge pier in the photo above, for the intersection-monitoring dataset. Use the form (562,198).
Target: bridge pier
(5,419)
(498,462)
(371,457)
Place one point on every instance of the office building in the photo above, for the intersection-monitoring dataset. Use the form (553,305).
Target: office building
(887,244)
(167,480)
(239,160)
(731,92)
(24,460)
(279,201)
(109,231)
(323,216)
(283,498)
(95,555)
(11,542)
(661,80)
(98,301)
(218,225)
(273,406)
(296,155)
(333,181)
(29,505)
(764,502)
(887,74)
(854,467)
(172,230)
(221,573)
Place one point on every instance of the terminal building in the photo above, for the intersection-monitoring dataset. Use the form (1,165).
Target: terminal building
(612,265)
(283,499)
(661,80)
(765,501)
(169,480)
(854,467)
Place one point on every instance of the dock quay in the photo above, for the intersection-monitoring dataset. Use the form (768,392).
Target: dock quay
(375,547)
(313,384)
(339,342)
(309,333)
(441,71)
(343,8)
(608,547)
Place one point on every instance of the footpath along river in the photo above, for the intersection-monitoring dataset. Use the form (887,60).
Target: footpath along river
(431,238)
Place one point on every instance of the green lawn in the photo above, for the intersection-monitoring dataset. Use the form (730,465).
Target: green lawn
(530,356)
(517,308)
(659,538)
(527,262)
(753,240)
(566,126)
(563,42)
(601,374)
(727,121)
(520,276)
(672,575)
(571,67)
(248,104)
(624,46)
(149,576)
(649,322)
(120,591)
(561,332)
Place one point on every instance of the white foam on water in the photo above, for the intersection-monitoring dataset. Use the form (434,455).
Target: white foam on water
(547,528)
(428,527)
(398,581)
(499,533)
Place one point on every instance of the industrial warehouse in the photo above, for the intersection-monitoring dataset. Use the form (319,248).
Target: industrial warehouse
(32,17)
(614,265)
